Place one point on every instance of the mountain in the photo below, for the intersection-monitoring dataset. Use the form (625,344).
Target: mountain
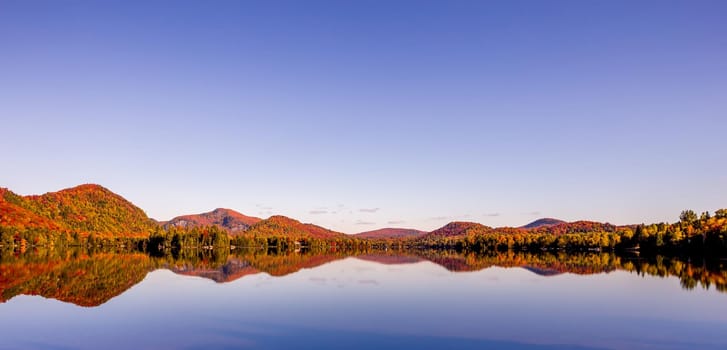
(93,212)
(576,227)
(13,213)
(82,209)
(544,222)
(458,228)
(227,219)
(284,226)
(390,233)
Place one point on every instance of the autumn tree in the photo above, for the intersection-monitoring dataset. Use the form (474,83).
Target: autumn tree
(688,217)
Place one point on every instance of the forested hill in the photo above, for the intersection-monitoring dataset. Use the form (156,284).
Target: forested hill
(458,228)
(228,219)
(94,216)
(391,233)
(287,227)
(544,222)
(85,209)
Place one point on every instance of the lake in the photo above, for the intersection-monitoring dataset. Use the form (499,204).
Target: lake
(369,300)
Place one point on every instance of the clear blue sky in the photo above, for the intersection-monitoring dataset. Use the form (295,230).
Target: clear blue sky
(359,115)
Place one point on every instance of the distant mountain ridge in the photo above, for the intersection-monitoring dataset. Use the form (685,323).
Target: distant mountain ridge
(227,219)
(544,222)
(93,209)
(540,226)
(391,233)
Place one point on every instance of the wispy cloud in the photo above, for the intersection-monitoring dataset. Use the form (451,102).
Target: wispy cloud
(361,222)
(395,222)
(369,210)
(373,282)
(439,218)
(317,212)
(532,213)
(491,214)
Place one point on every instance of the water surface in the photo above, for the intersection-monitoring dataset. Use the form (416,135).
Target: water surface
(429,300)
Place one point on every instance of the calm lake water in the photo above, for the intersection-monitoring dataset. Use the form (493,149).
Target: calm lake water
(368,301)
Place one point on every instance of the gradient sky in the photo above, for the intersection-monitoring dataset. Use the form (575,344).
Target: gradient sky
(359,115)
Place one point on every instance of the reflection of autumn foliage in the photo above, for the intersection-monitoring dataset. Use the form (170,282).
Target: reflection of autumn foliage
(390,259)
(220,266)
(231,270)
(583,263)
(91,279)
(85,280)
(704,272)
(285,263)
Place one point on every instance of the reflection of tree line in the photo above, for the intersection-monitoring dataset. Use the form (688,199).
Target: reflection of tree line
(78,277)
(227,264)
(90,278)
(692,272)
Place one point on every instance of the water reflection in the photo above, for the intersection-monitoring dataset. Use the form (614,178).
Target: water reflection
(358,300)
(91,278)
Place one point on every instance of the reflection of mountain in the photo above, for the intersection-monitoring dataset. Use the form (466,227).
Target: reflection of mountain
(543,271)
(287,263)
(251,263)
(91,280)
(233,269)
(88,279)
(390,259)
(545,264)
(85,280)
